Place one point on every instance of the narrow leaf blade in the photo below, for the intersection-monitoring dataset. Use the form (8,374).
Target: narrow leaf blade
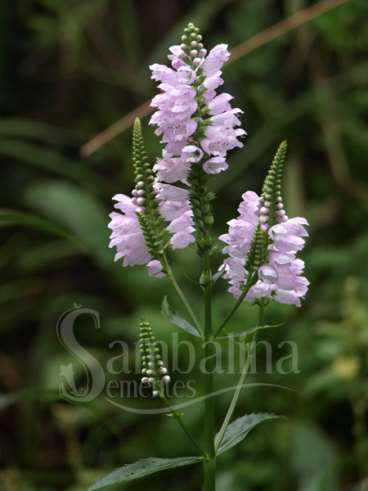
(239,429)
(141,468)
(171,315)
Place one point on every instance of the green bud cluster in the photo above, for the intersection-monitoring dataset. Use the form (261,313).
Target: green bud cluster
(154,373)
(192,45)
(272,209)
(200,200)
(194,51)
(152,223)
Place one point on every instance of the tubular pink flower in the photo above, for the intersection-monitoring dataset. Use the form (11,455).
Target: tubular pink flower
(175,208)
(176,105)
(239,239)
(195,124)
(126,233)
(282,277)
(216,59)
(155,269)
(215,165)
(127,236)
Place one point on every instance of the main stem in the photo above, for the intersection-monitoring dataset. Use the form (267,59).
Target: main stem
(209,464)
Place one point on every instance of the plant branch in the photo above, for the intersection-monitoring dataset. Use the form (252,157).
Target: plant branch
(240,384)
(238,303)
(181,294)
(183,426)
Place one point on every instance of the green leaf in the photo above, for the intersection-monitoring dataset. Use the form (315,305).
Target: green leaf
(141,468)
(171,315)
(239,429)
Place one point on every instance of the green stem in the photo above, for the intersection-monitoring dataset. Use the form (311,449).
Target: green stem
(209,466)
(243,375)
(183,426)
(180,293)
(238,303)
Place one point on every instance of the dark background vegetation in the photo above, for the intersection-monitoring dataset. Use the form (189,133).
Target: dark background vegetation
(71,68)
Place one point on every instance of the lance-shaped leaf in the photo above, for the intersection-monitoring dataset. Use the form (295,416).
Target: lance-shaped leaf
(171,315)
(239,429)
(141,468)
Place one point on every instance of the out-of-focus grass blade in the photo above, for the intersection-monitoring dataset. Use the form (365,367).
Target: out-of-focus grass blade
(10,218)
(14,290)
(128,30)
(27,128)
(50,160)
(78,211)
(46,254)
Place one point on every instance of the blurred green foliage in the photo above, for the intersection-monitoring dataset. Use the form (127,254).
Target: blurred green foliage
(70,68)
